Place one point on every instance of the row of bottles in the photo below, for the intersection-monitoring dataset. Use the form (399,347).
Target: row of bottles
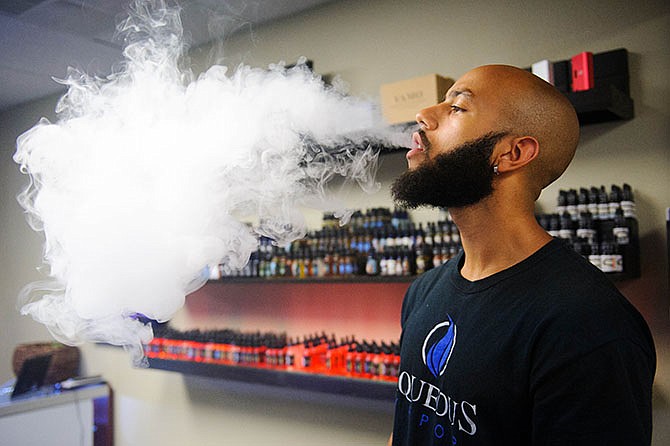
(371,219)
(375,242)
(601,226)
(597,201)
(313,353)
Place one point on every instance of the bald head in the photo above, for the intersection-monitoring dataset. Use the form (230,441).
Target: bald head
(529,106)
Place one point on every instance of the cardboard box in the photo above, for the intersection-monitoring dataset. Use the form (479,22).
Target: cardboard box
(402,100)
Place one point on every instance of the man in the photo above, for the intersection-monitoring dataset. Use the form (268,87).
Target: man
(518,340)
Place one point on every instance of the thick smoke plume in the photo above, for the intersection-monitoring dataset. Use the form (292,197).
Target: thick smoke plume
(150,175)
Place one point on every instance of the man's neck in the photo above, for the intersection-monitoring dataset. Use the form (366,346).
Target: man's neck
(496,237)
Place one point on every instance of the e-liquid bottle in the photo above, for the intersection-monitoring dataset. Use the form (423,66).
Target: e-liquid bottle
(586,228)
(359,359)
(554,225)
(294,264)
(593,202)
(621,230)
(420,234)
(428,235)
(405,262)
(594,256)
(395,362)
(612,261)
(420,261)
(614,200)
(372,263)
(582,201)
(437,255)
(290,353)
(567,230)
(562,201)
(582,247)
(394,264)
(571,207)
(603,204)
(349,357)
(628,202)
(398,263)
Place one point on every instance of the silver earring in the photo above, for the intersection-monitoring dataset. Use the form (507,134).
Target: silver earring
(495,169)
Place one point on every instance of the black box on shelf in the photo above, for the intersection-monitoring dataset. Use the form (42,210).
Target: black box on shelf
(562,76)
(611,68)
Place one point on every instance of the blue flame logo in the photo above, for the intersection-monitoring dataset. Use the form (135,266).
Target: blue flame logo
(438,346)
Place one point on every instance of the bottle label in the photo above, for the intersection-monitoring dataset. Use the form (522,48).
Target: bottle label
(588,234)
(613,206)
(622,235)
(612,263)
(567,234)
(596,261)
(420,265)
(603,211)
(628,208)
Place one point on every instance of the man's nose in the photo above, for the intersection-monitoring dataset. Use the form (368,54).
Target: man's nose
(427,118)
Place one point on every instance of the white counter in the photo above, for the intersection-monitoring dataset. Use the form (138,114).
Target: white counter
(47,417)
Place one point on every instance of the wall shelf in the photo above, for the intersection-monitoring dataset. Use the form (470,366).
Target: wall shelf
(376,389)
(632,253)
(601,104)
(312,280)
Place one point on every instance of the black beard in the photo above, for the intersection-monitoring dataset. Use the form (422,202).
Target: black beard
(458,178)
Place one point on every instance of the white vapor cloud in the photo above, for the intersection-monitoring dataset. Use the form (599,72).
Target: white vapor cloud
(148,176)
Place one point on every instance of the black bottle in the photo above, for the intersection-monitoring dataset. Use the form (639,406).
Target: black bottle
(603,204)
(562,201)
(571,207)
(586,229)
(567,230)
(593,202)
(614,200)
(611,259)
(628,202)
(583,200)
(621,230)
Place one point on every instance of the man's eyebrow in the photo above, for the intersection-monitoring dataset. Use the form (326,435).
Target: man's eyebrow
(455,93)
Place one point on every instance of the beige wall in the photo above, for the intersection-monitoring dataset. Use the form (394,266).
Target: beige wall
(369,43)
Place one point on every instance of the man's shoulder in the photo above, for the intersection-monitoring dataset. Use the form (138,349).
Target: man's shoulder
(579,304)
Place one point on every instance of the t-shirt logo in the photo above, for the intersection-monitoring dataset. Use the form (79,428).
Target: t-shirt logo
(438,346)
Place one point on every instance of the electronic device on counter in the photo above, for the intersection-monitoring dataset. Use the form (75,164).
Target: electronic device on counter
(80,381)
(32,374)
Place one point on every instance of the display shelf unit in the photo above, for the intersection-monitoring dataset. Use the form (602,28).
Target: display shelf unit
(366,307)
(376,389)
(609,100)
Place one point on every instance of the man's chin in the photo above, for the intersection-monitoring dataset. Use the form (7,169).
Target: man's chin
(417,160)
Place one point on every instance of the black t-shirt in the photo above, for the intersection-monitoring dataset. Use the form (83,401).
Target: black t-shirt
(547,352)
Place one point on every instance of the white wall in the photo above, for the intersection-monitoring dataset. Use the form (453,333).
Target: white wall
(370,43)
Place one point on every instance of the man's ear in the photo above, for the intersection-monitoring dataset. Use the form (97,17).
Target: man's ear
(521,151)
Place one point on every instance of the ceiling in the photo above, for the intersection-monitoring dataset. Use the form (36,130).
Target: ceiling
(39,39)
